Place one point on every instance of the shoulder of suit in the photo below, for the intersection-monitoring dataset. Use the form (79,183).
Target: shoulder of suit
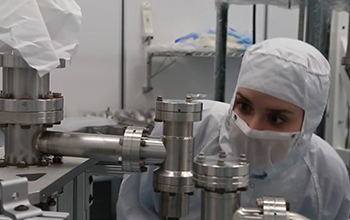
(326,163)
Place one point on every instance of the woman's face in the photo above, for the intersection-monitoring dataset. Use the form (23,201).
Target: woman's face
(264,112)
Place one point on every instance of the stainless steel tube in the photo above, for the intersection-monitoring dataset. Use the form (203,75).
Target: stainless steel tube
(23,84)
(219,206)
(220,57)
(154,149)
(104,147)
(174,178)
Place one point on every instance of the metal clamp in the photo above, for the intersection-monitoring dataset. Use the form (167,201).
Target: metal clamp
(131,150)
(39,105)
(273,208)
(14,200)
(220,173)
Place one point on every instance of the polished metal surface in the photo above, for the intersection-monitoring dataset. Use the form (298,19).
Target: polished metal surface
(45,181)
(220,178)
(173,204)
(273,207)
(37,105)
(178,105)
(174,179)
(97,146)
(22,140)
(26,107)
(22,83)
(177,116)
(15,61)
(131,149)
(257,214)
(14,200)
(31,118)
(216,173)
(269,208)
(227,203)
(153,149)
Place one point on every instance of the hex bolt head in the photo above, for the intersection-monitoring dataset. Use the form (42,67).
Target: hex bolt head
(201,158)
(222,154)
(3,163)
(57,95)
(44,162)
(260,202)
(57,160)
(159,98)
(3,95)
(188,98)
(21,208)
(143,143)
(25,127)
(221,162)
(242,159)
(22,164)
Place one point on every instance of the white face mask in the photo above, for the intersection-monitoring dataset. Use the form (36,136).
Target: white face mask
(262,148)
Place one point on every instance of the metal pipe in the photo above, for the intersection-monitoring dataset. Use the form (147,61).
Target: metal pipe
(266,21)
(104,147)
(301,21)
(221,52)
(219,206)
(23,84)
(154,148)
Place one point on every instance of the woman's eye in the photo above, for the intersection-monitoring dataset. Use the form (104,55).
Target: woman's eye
(244,107)
(276,119)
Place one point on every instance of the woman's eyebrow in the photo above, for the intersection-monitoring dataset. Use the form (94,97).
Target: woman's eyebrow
(280,111)
(239,95)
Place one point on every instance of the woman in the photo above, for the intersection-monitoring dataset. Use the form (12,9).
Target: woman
(280,98)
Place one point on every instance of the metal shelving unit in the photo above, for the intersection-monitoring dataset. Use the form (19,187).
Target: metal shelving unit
(172,57)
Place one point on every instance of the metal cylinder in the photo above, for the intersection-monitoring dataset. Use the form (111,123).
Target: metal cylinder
(174,179)
(173,204)
(24,83)
(153,148)
(177,129)
(221,179)
(219,205)
(20,82)
(19,144)
(221,50)
(104,147)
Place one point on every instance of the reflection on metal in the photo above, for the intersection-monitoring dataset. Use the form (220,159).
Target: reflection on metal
(177,117)
(220,179)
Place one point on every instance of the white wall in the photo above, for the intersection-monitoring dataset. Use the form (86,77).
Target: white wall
(92,82)
(173,19)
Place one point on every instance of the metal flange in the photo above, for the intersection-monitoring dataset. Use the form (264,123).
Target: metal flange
(220,173)
(39,105)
